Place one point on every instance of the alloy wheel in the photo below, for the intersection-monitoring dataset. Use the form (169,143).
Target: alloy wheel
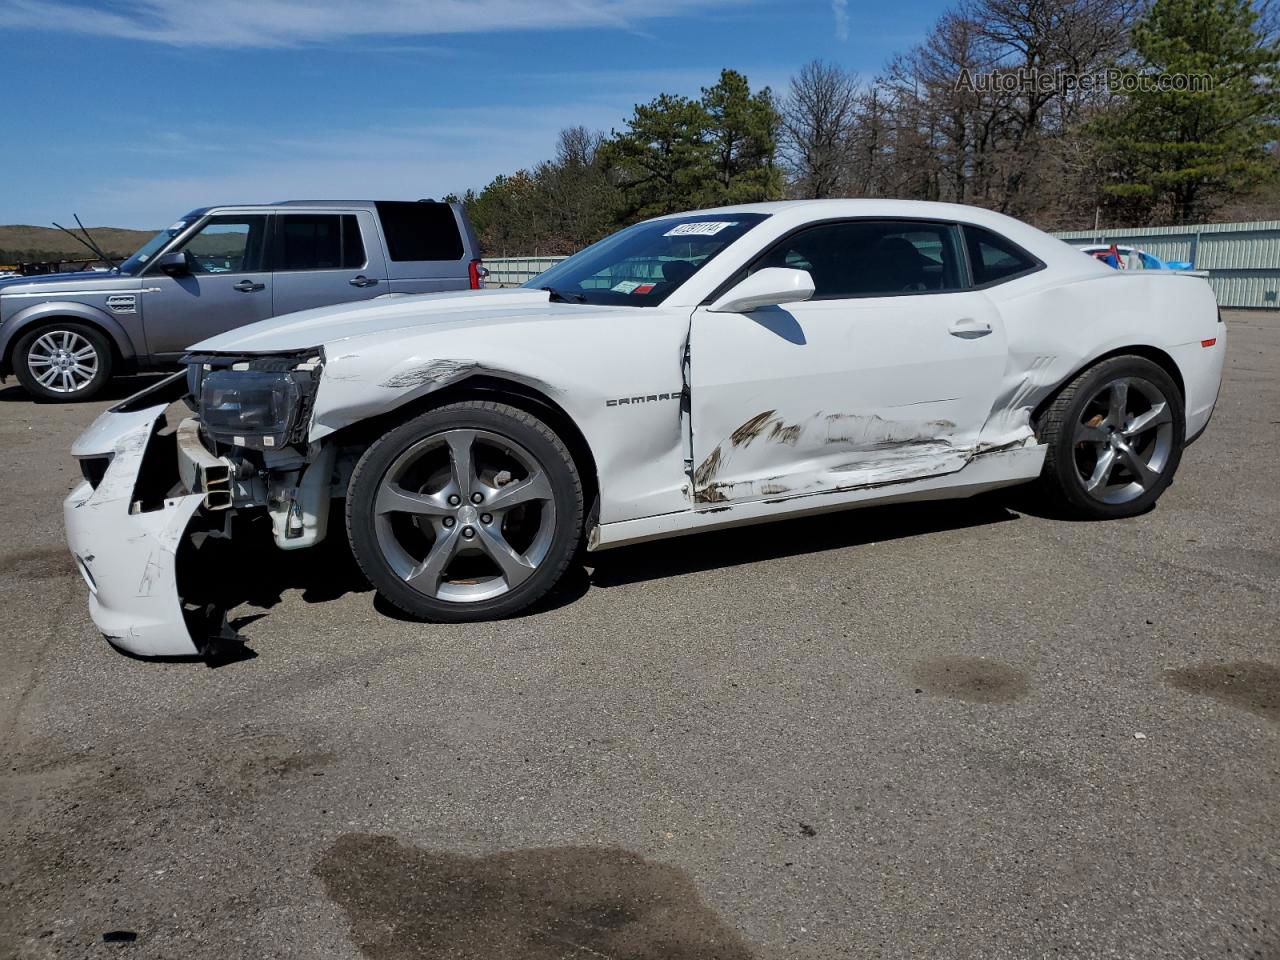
(1123,440)
(62,361)
(464,515)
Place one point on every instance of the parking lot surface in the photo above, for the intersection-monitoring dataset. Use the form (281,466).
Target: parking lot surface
(958,730)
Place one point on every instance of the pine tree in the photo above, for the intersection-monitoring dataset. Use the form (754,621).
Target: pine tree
(662,160)
(679,154)
(742,132)
(1184,150)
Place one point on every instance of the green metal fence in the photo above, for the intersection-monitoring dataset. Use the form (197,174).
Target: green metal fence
(513,271)
(1242,259)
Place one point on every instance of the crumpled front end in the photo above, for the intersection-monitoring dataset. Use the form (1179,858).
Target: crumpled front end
(125,535)
(161,481)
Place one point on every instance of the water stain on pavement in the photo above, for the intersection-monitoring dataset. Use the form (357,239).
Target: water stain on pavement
(1247,684)
(537,904)
(44,563)
(263,757)
(972,679)
(283,766)
(1261,563)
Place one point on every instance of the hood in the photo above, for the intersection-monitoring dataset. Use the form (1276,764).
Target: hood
(386,314)
(59,281)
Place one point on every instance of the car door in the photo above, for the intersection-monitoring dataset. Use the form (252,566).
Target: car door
(887,374)
(224,287)
(325,258)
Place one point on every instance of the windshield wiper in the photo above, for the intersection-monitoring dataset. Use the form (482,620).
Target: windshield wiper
(88,242)
(559,297)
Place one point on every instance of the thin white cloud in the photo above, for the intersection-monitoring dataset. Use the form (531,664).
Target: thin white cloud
(442,151)
(629,86)
(278,23)
(840,10)
(404,153)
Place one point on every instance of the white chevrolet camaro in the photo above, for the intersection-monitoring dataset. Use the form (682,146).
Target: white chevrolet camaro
(689,373)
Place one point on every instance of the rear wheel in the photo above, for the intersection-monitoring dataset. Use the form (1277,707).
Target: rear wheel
(1115,437)
(63,362)
(472,511)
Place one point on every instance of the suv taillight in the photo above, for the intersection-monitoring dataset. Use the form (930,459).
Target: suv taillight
(477,273)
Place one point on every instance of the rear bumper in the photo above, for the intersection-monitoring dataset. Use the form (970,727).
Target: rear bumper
(1202,368)
(127,559)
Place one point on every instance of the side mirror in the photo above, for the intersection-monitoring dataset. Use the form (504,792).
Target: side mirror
(174,264)
(766,288)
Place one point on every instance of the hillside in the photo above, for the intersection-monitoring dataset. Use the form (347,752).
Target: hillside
(22,241)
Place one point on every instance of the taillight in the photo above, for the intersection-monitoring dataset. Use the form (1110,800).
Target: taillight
(477,273)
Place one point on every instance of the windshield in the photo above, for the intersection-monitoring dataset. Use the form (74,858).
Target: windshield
(153,246)
(641,265)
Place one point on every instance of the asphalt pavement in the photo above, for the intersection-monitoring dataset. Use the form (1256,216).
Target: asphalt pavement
(958,730)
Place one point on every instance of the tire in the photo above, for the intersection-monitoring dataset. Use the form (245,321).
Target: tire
(438,554)
(63,362)
(1114,435)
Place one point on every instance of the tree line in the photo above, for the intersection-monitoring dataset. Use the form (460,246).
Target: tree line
(1065,113)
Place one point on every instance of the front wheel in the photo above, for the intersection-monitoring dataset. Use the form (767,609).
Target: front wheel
(63,362)
(472,511)
(1115,437)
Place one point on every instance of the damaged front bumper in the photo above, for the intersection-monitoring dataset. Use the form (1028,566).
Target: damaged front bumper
(154,492)
(126,545)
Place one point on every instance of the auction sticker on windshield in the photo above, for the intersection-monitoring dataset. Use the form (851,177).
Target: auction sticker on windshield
(702,228)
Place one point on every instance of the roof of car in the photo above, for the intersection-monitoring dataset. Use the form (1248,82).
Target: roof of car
(344,203)
(860,206)
(800,212)
(876,207)
(341,204)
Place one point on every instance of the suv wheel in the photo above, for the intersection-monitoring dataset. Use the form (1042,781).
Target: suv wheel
(472,511)
(1115,437)
(63,362)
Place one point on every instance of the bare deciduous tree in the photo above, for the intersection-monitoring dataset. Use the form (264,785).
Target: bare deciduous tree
(818,118)
(918,131)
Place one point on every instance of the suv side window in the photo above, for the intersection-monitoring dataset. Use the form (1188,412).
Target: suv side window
(992,258)
(420,231)
(229,243)
(871,258)
(318,241)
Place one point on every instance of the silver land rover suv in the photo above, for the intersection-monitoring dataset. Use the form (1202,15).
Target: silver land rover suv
(65,335)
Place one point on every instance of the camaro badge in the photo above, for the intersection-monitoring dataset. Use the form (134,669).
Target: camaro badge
(648,398)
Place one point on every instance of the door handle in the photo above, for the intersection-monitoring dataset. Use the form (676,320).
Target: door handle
(249,286)
(967,328)
(362,281)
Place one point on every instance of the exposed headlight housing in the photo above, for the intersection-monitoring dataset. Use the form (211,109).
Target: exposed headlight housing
(259,402)
(239,404)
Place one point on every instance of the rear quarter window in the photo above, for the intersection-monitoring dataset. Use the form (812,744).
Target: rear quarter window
(992,258)
(420,231)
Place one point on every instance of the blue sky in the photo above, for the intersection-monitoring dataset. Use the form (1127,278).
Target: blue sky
(132,113)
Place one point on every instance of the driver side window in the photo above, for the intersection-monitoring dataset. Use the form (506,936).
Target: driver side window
(227,244)
(869,258)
